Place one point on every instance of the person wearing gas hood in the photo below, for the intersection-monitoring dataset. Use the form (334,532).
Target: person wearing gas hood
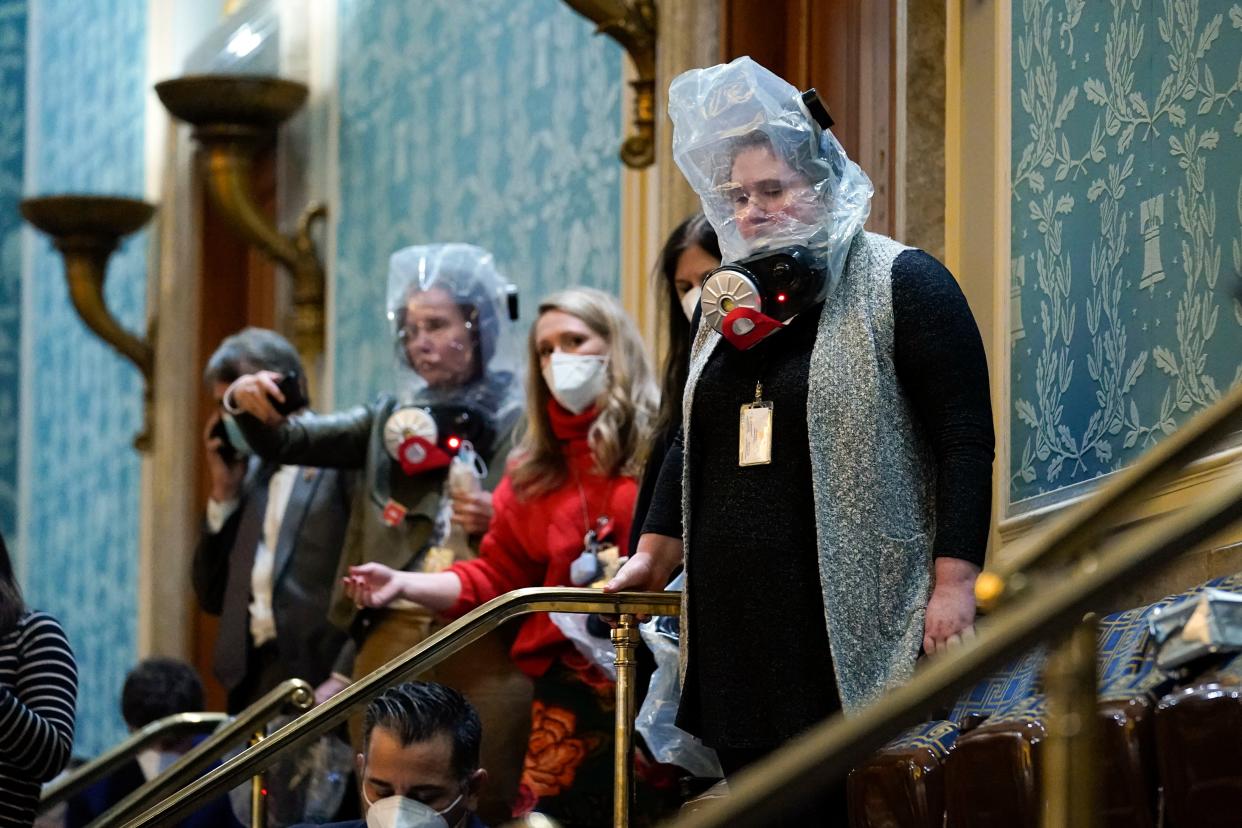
(563,511)
(830,497)
(430,451)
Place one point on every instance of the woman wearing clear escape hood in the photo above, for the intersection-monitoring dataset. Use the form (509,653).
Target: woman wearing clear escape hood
(563,510)
(834,526)
(431,450)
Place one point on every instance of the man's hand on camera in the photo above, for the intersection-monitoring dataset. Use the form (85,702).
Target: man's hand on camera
(253,394)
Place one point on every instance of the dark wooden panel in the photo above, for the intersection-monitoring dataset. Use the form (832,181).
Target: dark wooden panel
(845,49)
(237,287)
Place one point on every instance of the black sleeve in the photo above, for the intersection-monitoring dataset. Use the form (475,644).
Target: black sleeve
(37,712)
(664,514)
(647,484)
(940,363)
(209,572)
(325,440)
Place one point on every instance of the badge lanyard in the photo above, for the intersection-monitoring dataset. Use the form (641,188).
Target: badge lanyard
(754,431)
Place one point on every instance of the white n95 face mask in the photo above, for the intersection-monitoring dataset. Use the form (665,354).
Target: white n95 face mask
(689,302)
(399,812)
(576,381)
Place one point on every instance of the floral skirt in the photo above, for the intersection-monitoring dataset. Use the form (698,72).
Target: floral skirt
(568,772)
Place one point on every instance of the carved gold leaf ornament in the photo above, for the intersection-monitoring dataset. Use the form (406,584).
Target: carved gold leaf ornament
(632,24)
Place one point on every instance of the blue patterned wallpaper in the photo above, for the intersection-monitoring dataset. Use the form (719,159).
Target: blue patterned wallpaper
(1126,232)
(12,161)
(490,122)
(80,495)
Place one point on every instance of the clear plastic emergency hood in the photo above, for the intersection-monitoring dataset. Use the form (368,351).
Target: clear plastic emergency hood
(768,175)
(451,314)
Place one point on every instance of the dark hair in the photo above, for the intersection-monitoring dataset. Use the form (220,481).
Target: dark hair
(694,231)
(805,158)
(159,687)
(418,710)
(250,350)
(12,607)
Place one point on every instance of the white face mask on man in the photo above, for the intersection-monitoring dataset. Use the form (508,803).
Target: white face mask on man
(400,812)
(576,381)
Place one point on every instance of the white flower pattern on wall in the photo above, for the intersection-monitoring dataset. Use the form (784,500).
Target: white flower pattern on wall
(1151,143)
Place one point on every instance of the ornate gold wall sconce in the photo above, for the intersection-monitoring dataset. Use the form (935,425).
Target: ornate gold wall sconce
(86,229)
(632,24)
(234,117)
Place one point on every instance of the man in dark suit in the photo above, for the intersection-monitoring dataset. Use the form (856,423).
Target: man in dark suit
(420,759)
(267,559)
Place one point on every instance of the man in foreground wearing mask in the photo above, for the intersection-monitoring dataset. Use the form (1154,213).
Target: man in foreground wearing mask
(266,561)
(834,526)
(420,761)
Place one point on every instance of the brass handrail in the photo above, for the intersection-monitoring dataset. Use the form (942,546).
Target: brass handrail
(106,763)
(830,749)
(294,693)
(1100,563)
(1090,520)
(454,637)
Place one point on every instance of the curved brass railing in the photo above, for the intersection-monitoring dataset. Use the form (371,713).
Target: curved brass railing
(436,648)
(106,763)
(1033,604)
(293,694)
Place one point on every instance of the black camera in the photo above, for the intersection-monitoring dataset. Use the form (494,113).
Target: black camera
(777,283)
(295,396)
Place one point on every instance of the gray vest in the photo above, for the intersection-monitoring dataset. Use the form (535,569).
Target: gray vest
(873,475)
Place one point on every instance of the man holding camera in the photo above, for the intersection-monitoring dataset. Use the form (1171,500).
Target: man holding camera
(266,562)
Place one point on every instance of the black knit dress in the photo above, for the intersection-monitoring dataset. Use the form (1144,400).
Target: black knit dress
(760,670)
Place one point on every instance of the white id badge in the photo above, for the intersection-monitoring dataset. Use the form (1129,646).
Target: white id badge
(755,434)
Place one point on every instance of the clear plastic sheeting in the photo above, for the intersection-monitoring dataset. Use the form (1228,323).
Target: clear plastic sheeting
(433,290)
(247,42)
(767,174)
(306,785)
(657,717)
(598,650)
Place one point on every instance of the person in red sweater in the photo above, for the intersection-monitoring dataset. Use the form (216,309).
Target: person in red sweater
(571,482)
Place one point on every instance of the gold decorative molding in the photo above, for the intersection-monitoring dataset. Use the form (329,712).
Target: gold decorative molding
(86,229)
(234,117)
(632,24)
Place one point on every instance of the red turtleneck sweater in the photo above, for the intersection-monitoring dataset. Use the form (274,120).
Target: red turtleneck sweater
(533,542)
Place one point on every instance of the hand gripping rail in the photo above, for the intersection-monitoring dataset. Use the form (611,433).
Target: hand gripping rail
(1042,591)
(293,694)
(441,645)
(169,727)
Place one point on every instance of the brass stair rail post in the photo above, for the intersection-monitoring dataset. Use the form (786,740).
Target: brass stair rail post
(625,642)
(106,763)
(439,646)
(1070,755)
(293,694)
(769,789)
(258,796)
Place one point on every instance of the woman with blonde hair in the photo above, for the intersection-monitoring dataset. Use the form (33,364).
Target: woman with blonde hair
(562,510)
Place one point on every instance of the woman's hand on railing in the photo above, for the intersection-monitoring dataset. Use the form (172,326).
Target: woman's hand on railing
(651,567)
